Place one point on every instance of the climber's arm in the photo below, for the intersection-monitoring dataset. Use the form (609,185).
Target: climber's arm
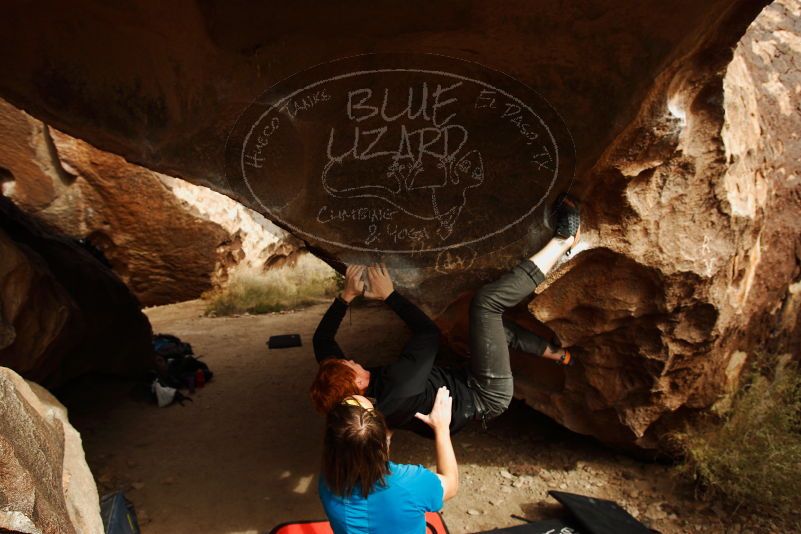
(325,346)
(411,370)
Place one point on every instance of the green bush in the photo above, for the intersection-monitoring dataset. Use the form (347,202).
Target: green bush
(752,456)
(281,289)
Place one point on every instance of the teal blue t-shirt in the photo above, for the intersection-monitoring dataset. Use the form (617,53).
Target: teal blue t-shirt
(399,507)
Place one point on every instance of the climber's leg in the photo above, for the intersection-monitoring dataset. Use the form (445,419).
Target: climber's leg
(490,368)
(518,338)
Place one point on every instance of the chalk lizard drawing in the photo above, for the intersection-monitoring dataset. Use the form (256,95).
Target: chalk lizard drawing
(411,188)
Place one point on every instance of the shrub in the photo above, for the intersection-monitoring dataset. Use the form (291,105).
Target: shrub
(752,456)
(276,290)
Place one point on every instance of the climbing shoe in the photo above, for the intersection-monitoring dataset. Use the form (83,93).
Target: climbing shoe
(567,359)
(567,216)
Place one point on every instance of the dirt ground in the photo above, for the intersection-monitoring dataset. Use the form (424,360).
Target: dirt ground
(244,455)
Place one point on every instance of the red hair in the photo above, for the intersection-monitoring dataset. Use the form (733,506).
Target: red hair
(334,382)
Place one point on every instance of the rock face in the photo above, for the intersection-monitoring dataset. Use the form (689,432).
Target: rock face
(689,256)
(162,252)
(255,244)
(62,313)
(692,257)
(762,91)
(168,240)
(47,486)
(168,100)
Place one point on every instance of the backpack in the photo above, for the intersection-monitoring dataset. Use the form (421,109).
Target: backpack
(170,346)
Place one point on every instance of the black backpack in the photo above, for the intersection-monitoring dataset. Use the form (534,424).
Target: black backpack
(170,346)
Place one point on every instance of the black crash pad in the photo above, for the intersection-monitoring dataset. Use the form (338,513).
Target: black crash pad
(598,516)
(550,526)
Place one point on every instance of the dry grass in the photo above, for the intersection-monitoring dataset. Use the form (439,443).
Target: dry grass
(277,290)
(752,457)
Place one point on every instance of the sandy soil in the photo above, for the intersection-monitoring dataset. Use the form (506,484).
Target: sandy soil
(244,455)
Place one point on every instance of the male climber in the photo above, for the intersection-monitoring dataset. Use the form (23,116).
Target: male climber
(405,389)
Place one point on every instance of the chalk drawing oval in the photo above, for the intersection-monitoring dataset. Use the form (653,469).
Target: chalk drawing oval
(401,154)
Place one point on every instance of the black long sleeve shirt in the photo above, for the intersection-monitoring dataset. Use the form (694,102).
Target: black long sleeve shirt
(408,385)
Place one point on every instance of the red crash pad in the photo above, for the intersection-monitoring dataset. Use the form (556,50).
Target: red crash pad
(434,525)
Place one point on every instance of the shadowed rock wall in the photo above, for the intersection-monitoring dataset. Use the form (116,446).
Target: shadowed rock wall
(62,313)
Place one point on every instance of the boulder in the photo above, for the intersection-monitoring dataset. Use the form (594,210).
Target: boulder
(168,100)
(255,245)
(167,239)
(62,312)
(160,250)
(691,254)
(47,485)
(762,89)
(689,257)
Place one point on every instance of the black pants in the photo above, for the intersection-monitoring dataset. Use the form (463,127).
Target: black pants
(491,336)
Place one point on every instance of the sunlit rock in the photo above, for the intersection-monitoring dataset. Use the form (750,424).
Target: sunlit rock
(47,486)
